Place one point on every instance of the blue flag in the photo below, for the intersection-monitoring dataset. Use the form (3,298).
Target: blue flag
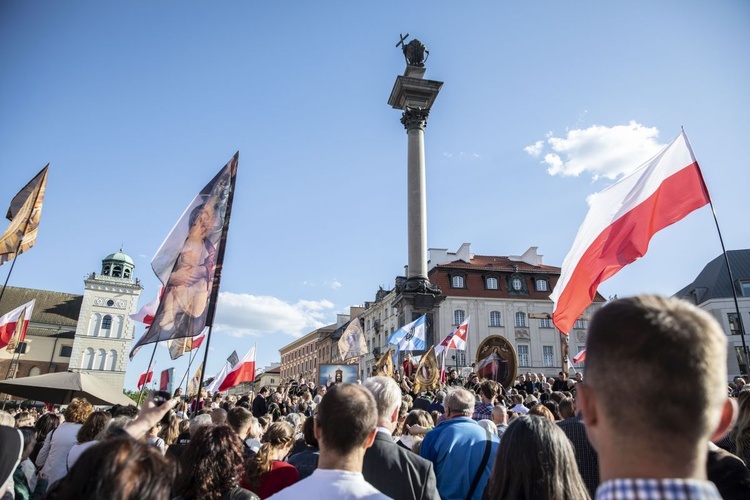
(410,337)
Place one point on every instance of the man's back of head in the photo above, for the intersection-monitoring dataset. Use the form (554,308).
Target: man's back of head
(239,419)
(345,421)
(655,377)
(459,403)
(387,396)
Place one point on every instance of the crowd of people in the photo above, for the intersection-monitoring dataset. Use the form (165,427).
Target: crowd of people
(654,418)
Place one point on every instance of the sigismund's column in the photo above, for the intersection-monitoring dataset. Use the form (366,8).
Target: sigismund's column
(414,95)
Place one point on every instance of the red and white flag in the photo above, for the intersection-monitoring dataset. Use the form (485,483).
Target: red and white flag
(13,325)
(145,378)
(244,371)
(146,314)
(580,357)
(455,339)
(621,221)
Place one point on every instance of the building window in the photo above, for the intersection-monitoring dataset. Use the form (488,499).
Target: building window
(111,361)
(734,324)
(545,323)
(541,285)
(460,357)
(106,322)
(741,359)
(523,355)
(491,283)
(745,285)
(99,359)
(66,351)
(520,320)
(495,318)
(34,371)
(548,353)
(457,282)
(580,324)
(459,315)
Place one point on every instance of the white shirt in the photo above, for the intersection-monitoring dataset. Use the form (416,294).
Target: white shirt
(327,483)
(519,408)
(53,456)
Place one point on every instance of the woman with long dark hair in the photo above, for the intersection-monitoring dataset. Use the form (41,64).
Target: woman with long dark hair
(212,466)
(46,424)
(535,461)
(266,473)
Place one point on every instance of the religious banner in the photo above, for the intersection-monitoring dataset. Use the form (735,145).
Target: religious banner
(332,374)
(193,389)
(427,375)
(189,260)
(352,343)
(384,366)
(24,214)
(178,347)
(496,360)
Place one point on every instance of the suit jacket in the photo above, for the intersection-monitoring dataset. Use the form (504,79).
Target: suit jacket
(397,472)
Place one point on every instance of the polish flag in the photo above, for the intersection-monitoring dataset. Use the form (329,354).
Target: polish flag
(621,221)
(244,371)
(145,378)
(146,313)
(456,339)
(580,357)
(219,379)
(13,324)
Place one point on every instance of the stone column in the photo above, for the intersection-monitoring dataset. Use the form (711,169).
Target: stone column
(414,121)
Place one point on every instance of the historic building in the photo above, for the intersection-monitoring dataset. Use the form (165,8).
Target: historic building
(299,358)
(90,332)
(712,291)
(502,295)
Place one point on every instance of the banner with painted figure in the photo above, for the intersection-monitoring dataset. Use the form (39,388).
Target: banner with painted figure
(24,214)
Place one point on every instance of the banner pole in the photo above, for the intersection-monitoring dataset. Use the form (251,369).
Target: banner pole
(145,382)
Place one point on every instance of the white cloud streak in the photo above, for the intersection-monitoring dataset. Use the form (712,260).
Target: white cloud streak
(240,315)
(598,150)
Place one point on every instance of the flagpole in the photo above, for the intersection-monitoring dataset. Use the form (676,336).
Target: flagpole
(745,354)
(145,382)
(190,362)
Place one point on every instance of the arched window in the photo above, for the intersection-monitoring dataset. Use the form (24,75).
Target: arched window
(117,327)
(34,371)
(126,274)
(491,283)
(117,272)
(457,282)
(111,361)
(521,320)
(107,324)
(459,315)
(87,362)
(99,359)
(94,325)
(495,318)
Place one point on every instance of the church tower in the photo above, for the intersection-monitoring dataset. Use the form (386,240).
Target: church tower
(105,330)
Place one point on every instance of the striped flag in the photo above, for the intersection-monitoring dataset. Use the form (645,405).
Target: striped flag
(621,221)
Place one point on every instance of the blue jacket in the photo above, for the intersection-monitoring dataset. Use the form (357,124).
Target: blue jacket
(455,448)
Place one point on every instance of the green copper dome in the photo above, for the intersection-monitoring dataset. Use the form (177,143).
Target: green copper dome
(120,257)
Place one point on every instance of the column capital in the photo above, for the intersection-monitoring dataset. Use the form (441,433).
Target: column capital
(415,118)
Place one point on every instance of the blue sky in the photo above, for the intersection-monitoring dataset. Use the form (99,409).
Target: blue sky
(136,105)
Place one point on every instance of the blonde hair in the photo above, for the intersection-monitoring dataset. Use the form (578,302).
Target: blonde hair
(278,436)
(78,411)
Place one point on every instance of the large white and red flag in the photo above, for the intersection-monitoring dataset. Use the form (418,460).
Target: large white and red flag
(244,371)
(621,221)
(455,339)
(146,313)
(13,325)
(580,357)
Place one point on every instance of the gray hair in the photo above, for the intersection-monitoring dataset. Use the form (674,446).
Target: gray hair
(488,425)
(459,401)
(387,394)
(294,420)
(199,421)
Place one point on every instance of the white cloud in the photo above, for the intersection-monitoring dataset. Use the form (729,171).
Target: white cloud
(240,314)
(535,149)
(598,150)
(335,284)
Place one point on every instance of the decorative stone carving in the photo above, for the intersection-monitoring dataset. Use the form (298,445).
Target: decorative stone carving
(522,334)
(414,118)
(581,336)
